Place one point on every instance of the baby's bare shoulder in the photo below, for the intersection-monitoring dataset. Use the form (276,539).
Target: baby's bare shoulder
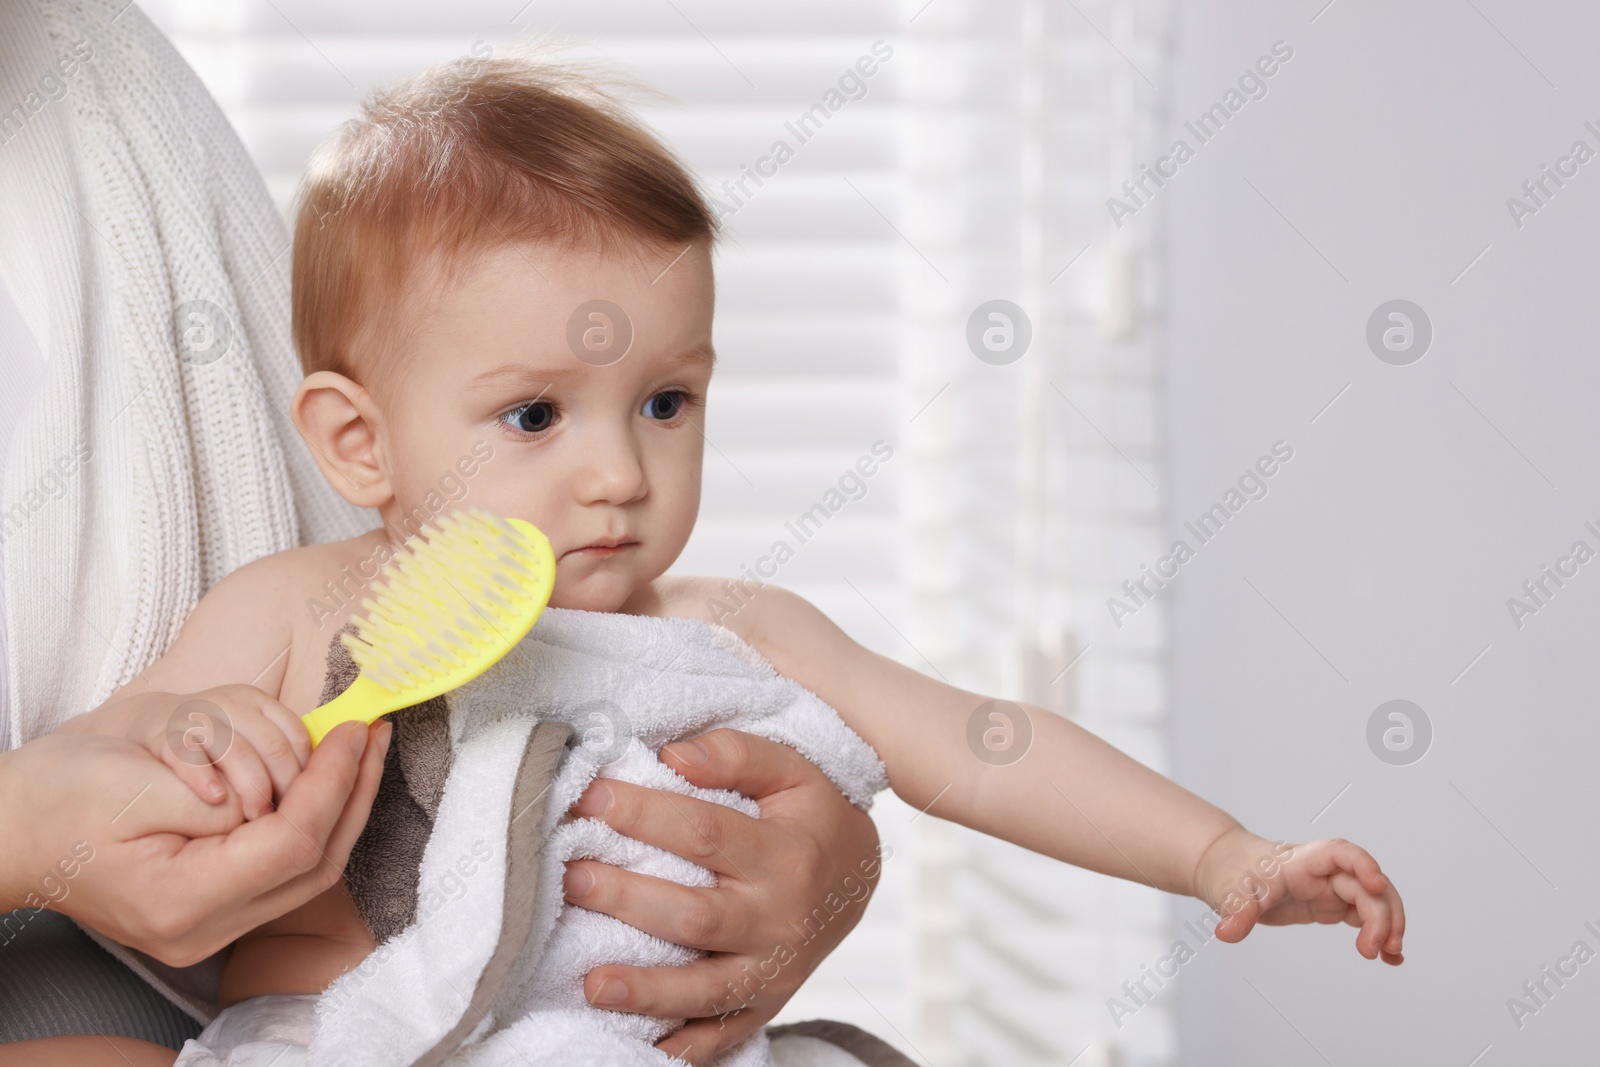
(296,573)
(718,601)
(291,601)
(792,633)
(672,596)
(240,630)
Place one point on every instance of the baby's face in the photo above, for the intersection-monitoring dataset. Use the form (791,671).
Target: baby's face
(599,447)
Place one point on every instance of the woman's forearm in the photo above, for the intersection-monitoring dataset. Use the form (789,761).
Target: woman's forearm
(37,869)
(114,716)
(16,857)
(78,810)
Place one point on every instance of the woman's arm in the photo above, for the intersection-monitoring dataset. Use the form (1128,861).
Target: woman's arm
(791,885)
(99,829)
(204,808)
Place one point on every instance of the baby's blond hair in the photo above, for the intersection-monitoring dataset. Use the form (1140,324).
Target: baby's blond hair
(465,157)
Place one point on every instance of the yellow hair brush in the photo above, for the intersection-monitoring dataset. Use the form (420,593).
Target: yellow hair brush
(446,610)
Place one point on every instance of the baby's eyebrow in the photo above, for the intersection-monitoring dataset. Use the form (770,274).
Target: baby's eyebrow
(521,372)
(698,354)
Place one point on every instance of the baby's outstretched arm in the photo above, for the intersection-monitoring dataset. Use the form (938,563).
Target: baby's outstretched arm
(1073,796)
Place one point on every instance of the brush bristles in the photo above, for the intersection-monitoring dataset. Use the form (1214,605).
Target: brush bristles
(446,602)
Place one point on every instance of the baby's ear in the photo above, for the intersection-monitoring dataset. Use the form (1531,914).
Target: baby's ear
(339,420)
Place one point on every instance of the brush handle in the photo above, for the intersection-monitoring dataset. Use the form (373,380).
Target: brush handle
(364,701)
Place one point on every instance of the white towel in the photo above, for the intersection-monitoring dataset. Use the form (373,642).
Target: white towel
(628,685)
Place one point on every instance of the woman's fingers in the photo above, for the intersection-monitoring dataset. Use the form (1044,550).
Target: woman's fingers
(725,998)
(267,867)
(718,838)
(357,802)
(285,858)
(177,877)
(684,915)
(348,823)
(711,987)
(741,762)
(334,776)
(779,878)
(701,1040)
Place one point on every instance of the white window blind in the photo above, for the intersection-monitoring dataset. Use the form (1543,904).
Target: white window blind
(970,165)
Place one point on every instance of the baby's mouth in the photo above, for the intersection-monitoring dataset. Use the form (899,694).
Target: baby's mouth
(602,549)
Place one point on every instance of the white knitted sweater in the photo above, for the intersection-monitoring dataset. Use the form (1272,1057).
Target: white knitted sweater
(138,478)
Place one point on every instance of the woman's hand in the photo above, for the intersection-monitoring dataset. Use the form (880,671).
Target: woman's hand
(790,886)
(228,736)
(156,868)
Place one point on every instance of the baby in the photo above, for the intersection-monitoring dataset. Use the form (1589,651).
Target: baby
(503,290)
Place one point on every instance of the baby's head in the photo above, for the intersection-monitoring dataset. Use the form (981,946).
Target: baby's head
(503,298)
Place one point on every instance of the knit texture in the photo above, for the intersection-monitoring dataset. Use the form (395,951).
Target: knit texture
(124,196)
(54,980)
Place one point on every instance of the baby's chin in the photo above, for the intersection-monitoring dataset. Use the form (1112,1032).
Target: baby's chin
(601,591)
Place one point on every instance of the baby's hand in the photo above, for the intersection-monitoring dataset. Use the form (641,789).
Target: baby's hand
(231,737)
(1248,880)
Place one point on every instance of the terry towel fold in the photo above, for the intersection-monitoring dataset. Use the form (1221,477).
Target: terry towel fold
(491,971)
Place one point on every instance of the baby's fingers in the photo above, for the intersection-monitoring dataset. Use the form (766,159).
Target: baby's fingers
(1336,854)
(1369,911)
(187,750)
(1385,899)
(1233,927)
(247,774)
(1360,861)
(280,741)
(1392,947)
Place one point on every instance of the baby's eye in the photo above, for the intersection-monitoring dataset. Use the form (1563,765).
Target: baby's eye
(666,405)
(531,418)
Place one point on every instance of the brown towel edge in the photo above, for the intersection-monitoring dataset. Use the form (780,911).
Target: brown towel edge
(870,1050)
(547,743)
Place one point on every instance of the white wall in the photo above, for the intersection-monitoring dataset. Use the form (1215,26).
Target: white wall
(1379,566)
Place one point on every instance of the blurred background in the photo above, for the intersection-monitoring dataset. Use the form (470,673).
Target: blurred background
(1341,263)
